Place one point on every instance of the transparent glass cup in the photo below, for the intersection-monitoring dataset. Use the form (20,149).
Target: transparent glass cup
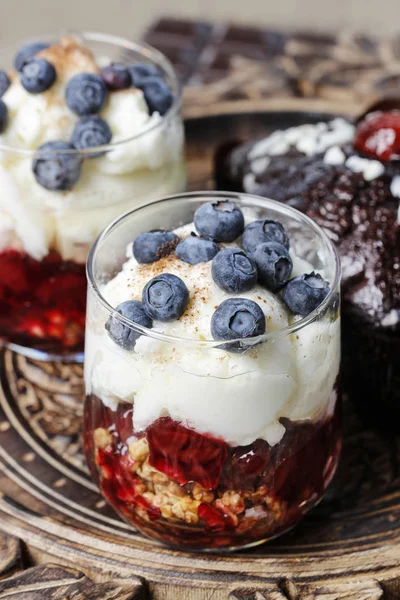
(193,444)
(45,235)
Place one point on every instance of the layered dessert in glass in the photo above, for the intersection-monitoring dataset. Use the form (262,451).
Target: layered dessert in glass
(346,177)
(212,417)
(90,126)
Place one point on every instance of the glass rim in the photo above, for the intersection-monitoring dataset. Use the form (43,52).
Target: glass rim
(211,343)
(141,47)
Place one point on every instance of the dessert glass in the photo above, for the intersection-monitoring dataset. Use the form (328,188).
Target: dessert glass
(222,486)
(45,235)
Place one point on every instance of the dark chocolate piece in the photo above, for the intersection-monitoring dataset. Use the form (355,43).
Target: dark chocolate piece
(204,53)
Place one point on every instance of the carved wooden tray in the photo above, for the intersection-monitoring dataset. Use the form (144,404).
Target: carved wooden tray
(347,548)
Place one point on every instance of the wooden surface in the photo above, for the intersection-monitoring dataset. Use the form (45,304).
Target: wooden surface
(10,555)
(53,582)
(347,548)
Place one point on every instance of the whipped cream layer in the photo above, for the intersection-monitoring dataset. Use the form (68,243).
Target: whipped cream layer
(237,397)
(36,220)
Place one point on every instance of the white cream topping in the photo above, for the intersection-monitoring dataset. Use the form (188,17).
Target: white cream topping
(239,397)
(35,219)
(395,189)
(249,181)
(391,319)
(371,169)
(309,139)
(334,156)
(258,165)
(312,139)
(395,186)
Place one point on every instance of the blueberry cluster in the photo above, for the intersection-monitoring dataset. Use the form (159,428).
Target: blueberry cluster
(164,298)
(263,258)
(56,166)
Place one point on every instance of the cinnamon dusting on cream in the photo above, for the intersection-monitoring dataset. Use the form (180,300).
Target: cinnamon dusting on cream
(69,57)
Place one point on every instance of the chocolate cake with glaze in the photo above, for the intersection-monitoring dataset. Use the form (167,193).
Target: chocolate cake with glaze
(347,179)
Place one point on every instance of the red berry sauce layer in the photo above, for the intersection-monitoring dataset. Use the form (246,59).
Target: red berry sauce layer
(42,303)
(196,491)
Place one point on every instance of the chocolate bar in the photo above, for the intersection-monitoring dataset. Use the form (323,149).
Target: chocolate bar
(225,61)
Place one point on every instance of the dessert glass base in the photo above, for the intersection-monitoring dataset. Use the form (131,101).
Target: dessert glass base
(262,491)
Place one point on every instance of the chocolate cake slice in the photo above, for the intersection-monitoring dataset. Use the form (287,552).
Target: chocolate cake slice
(347,179)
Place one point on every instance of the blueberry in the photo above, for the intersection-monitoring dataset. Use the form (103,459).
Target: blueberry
(274,265)
(85,94)
(165,297)
(3,116)
(121,333)
(90,132)
(55,170)
(37,75)
(153,245)
(237,318)
(158,95)
(28,51)
(141,73)
(116,77)
(4,82)
(194,249)
(219,220)
(233,271)
(304,293)
(261,231)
